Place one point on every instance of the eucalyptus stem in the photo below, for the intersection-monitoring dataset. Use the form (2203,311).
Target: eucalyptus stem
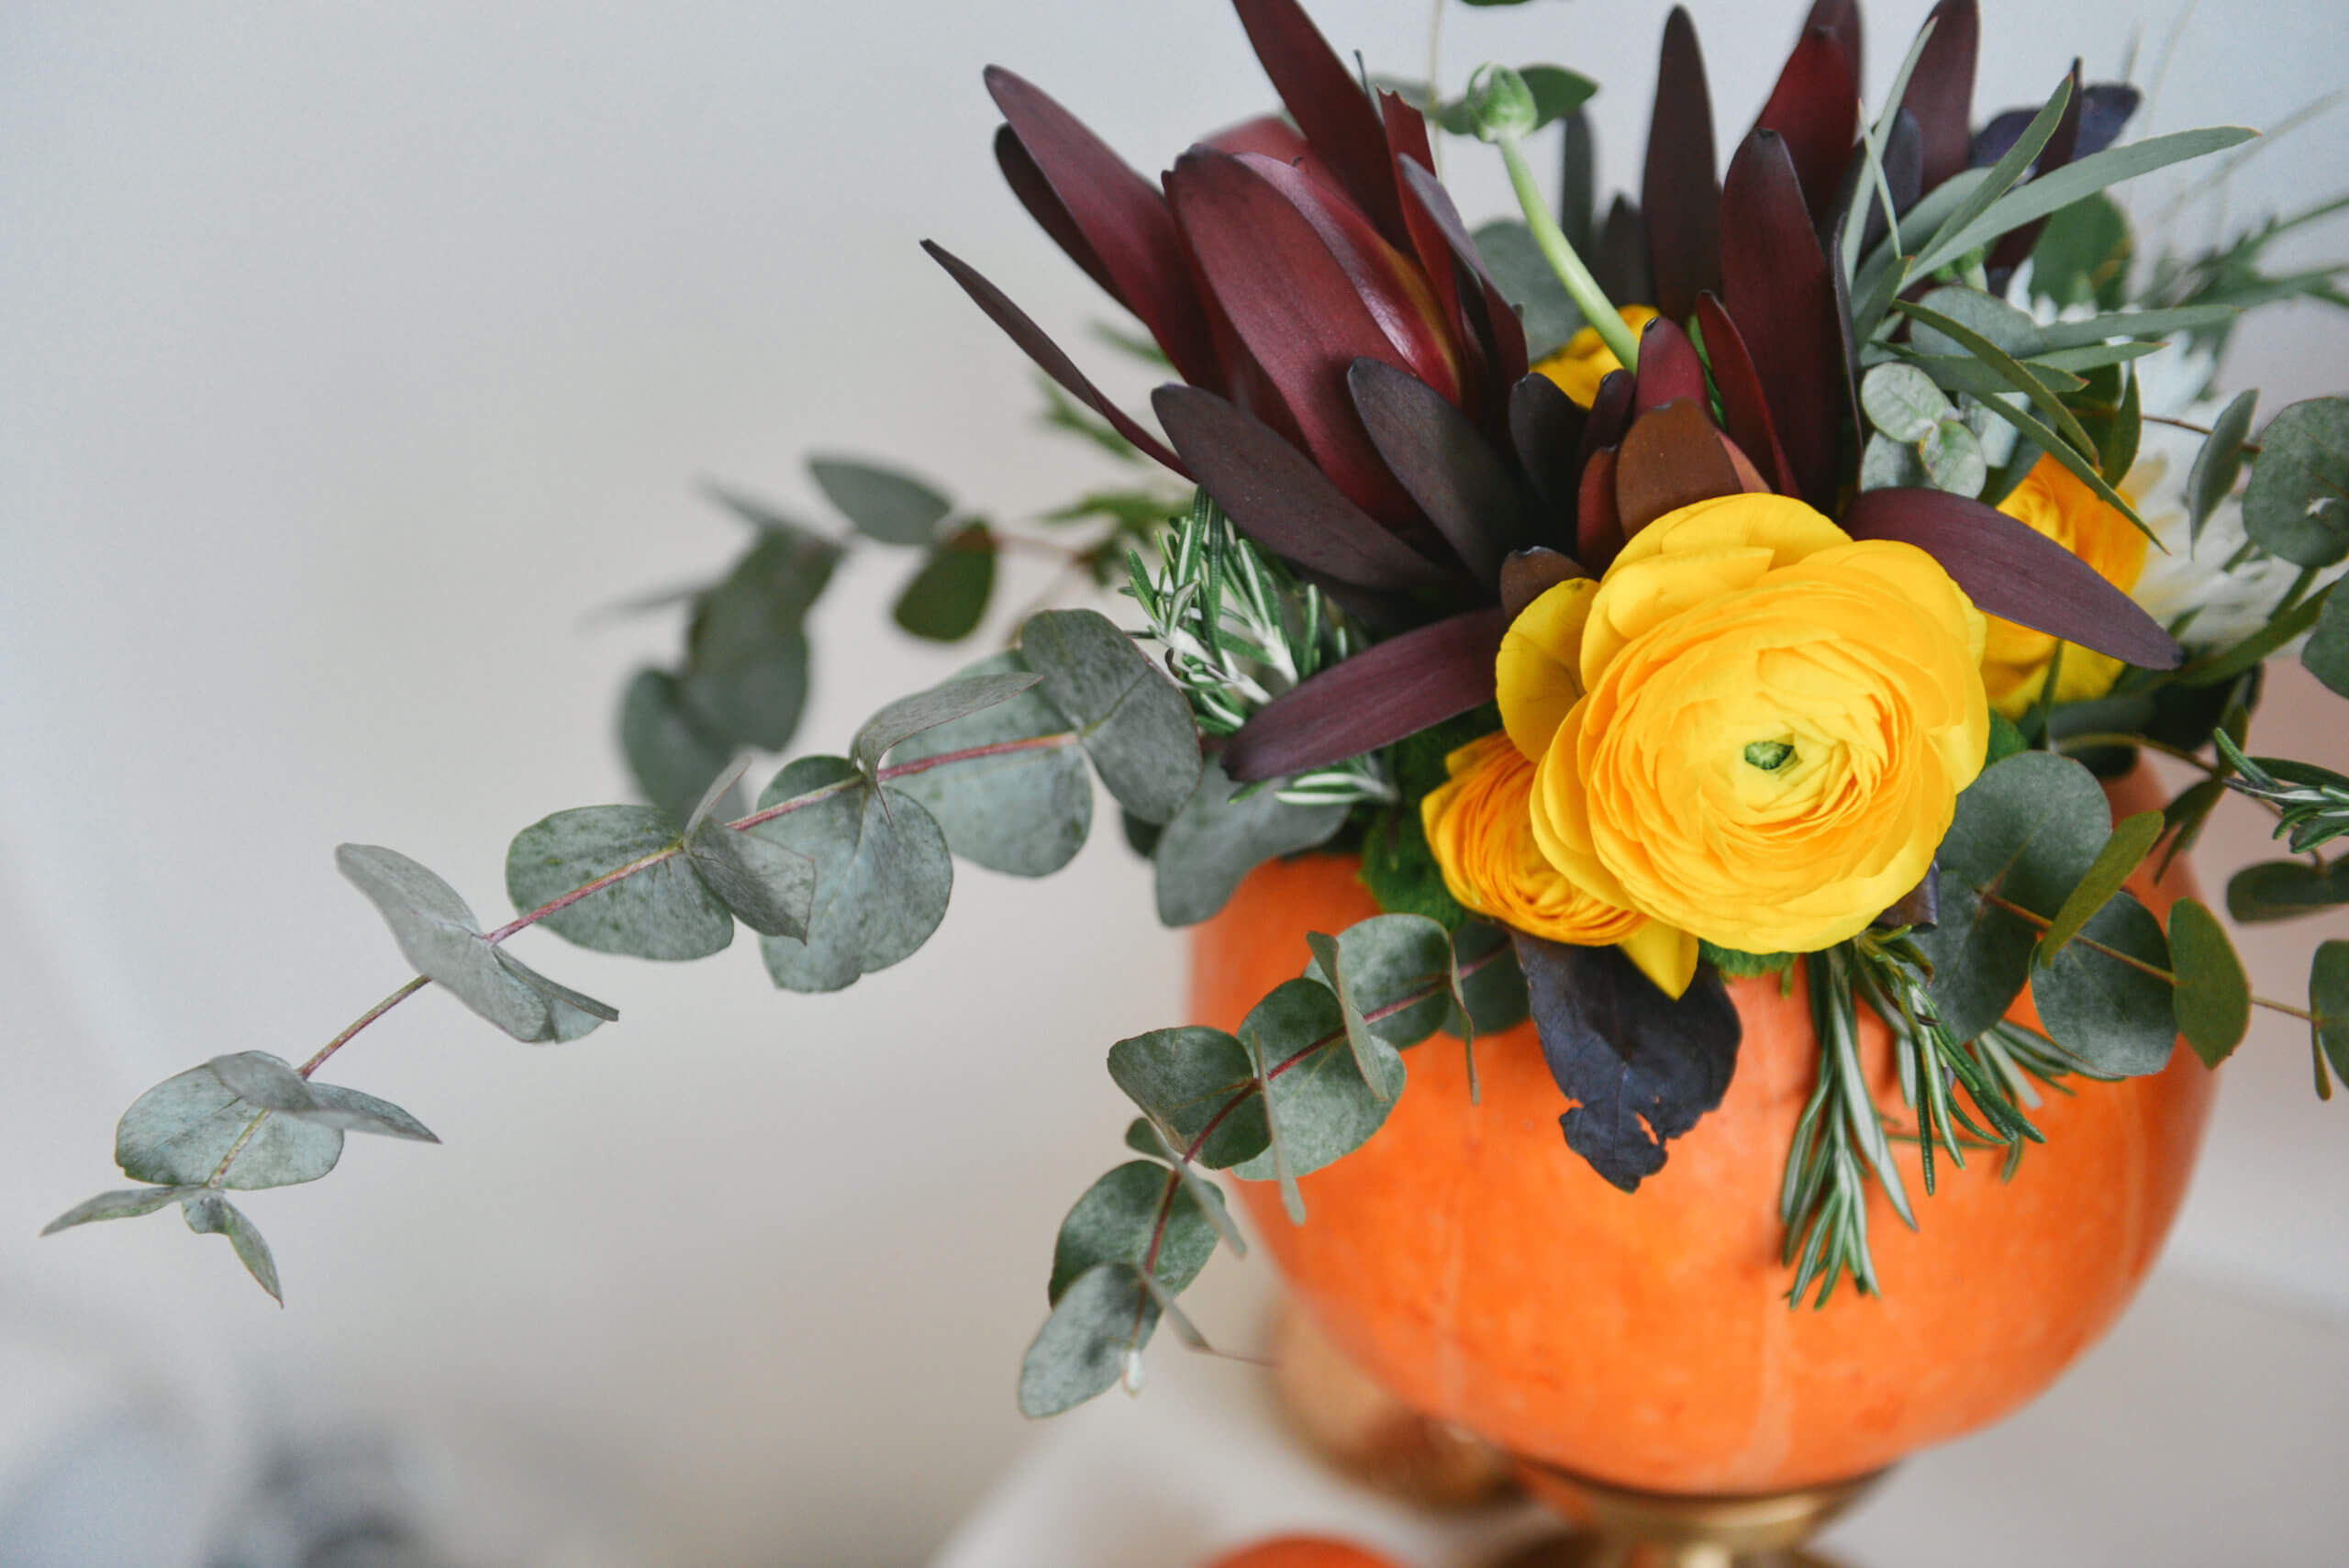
(1559,252)
(2150,971)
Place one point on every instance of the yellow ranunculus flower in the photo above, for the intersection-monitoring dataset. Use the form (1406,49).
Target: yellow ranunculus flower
(1765,728)
(2015,661)
(1586,360)
(1482,833)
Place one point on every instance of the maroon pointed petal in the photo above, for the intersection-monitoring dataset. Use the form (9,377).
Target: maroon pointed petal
(1671,458)
(1841,17)
(1500,333)
(1599,530)
(1609,416)
(1407,132)
(1669,368)
(1545,428)
(1778,290)
(1679,194)
(1744,409)
(2009,569)
(1322,95)
(2008,252)
(1458,480)
(1816,108)
(1039,346)
(1035,194)
(1528,574)
(1621,265)
(1940,89)
(1749,478)
(1389,690)
(1278,498)
(1271,134)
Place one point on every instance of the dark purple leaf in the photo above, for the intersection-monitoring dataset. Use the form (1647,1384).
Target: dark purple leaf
(1641,1068)
(1841,17)
(1546,429)
(2009,569)
(1669,368)
(2012,247)
(1679,194)
(1578,184)
(1278,498)
(1671,458)
(1302,316)
(1743,408)
(2105,108)
(1621,265)
(1919,908)
(1438,456)
(1502,334)
(1816,108)
(1328,106)
(1782,297)
(1529,574)
(1122,215)
(1904,175)
(1598,530)
(1940,89)
(1038,347)
(1389,690)
(1611,414)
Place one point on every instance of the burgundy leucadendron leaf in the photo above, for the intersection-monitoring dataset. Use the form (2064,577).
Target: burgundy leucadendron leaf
(1669,368)
(1294,304)
(1277,497)
(1528,574)
(1389,690)
(2008,569)
(1679,195)
(2008,252)
(1611,413)
(1441,459)
(1546,429)
(2105,108)
(1841,17)
(1670,457)
(1503,335)
(1035,194)
(1620,261)
(1038,347)
(1328,106)
(1816,108)
(1598,530)
(1407,133)
(1641,1068)
(1779,293)
(1743,408)
(1123,218)
(1940,89)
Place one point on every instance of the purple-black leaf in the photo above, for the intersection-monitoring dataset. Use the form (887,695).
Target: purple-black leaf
(1641,1067)
(1622,264)
(1782,297)
(1546,429)
(2105,108)
(1599,528)
(1940,89)
(1744,409)
(1919,908)
(2008,252)
(1328,103)
(1503,336)
(1611,413)
(1389,690)
(1679,195)
(1439,457)
(1816,108)
(1669,368)
(1528,574)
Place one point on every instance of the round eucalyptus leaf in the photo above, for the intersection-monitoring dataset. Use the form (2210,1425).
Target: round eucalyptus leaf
(1888,464)
(1130,717)
(746,653)
(2285,890)
(1952,457)
(1114,1222)
(1101,1321)
(2213,996)
(946,599)
(2329,1000)
(2114,1017)
(2296,505)
(771,889)
(673,752)
(2326,652)
(886,504)
(1321,1106)
(1396,970)
(942,704)
(663,912)
(2004,325)
(882,874)
(179,1132)
(1216,840)
(1183,1078)
(271,1083)
(1021,809)
(209,1214)
(1902,402)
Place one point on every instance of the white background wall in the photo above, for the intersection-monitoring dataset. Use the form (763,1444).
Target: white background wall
(350,356)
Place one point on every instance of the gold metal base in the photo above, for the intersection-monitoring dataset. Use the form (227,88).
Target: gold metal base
(1622,1528)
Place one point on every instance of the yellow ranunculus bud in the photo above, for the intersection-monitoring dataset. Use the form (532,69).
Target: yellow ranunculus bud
(1773,725)
(1586,360)
(2015,660)
(1481,832)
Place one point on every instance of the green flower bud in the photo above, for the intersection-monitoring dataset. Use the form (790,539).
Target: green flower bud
(1503,104)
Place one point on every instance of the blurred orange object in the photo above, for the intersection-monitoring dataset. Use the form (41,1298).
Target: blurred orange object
(1303,1552)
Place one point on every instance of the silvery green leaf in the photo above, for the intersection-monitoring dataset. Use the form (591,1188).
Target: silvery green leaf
(884,503)
(1323,1107)
(178,1132)
(1216,840)
(746,653)
(1183,1078)
(1888,464)
(819,554)
(662,912)
(437,934)
(1143,1138)
(944,704)
(271,1083)
(673,752)
(1491,987)
(882,874)
(771,888)
(1381,1066)
(1526,281)
(126,1204)
(1953,460)
(2117,1020)
(946,599)
(2219,462)
(1116,1220)
(1099,1324)
(1132,721)
(2009,327)
(1022,809)
(212,1215)
(1399,969)
(1903,402)
(2296,505)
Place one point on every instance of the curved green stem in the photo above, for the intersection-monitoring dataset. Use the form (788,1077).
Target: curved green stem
(1580,285)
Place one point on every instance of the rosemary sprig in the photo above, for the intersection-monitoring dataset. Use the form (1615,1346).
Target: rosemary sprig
(1239,628)
(2313,805)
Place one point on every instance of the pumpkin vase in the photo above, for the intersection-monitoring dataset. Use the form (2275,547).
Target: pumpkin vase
(1641,1343)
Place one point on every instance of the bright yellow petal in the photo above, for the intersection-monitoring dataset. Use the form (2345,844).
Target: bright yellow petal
(1789,530)
(1536,673)
(1665,955)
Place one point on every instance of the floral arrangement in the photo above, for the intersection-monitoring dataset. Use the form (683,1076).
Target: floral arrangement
(1743,585)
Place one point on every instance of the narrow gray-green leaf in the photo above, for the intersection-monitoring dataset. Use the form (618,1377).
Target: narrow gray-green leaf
(2008,369)
(1132,722)
(178,1132)
(1102,1317)
(127,1203)
(212,1215)
(271,1083)
(771,888)
(1009,784)
(2124,852)
(2061,335)
(1216,840)
(2329,1000)
(2037,436)
(886,504)
(2213,996)
(1380,1065)
(882,874)
(663,912)
(944,704)
(2220,463)
(1949,240)
(1143,1138)
(2110,1014)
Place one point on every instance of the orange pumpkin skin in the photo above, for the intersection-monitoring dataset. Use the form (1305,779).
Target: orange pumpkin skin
(1468,1260)
(1302,1551)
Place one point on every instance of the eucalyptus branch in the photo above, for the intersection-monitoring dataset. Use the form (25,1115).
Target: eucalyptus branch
(2150,971)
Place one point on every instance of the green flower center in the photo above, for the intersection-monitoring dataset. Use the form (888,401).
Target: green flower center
(1768,755)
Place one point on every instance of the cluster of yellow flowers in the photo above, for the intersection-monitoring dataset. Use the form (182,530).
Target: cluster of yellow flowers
(1753,730)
